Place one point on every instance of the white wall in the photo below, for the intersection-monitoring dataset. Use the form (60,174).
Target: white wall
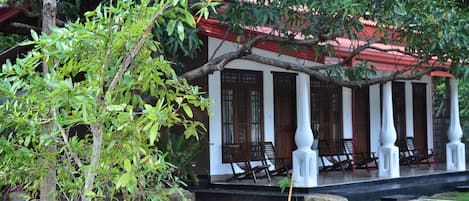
(375,117)
(347,113)
(409,109)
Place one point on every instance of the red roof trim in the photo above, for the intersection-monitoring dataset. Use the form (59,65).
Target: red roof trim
(441,74)
(7,13)
(382,61)
(212,28)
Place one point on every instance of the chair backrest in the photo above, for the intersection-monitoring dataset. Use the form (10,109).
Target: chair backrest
(348,146)
(268,149)
(410,143)
(323,147)
(232,153)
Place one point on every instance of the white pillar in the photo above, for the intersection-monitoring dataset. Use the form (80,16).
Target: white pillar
(455,149)
(389,154)
(304,158)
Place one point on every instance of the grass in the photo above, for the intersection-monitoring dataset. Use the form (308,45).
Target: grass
(456,196)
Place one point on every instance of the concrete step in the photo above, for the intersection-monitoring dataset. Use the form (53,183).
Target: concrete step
(399,197)
(464,188)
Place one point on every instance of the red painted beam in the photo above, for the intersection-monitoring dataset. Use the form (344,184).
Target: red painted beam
(7,13)
(383,61)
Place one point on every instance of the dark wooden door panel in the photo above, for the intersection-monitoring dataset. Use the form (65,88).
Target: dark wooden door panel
(398,102)
(361,120)
(420,115)
(285,114)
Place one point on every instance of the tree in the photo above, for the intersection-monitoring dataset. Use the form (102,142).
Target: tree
(434,33)
(49,182)
(101,73)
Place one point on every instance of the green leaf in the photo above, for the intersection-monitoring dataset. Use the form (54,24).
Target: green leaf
(125,180)
(180,30)
(189,132)
(188,110)
(90,194)
(190,19)
(34,35)
(170,27)
(284,183)
(127,165)
(154,133)
(114,108)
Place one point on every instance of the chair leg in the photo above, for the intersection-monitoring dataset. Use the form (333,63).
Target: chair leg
(268,174)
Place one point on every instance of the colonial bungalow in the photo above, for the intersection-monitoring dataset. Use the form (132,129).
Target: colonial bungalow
(255,102)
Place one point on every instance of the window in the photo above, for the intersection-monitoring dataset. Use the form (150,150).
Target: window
(242,121)
(326,112)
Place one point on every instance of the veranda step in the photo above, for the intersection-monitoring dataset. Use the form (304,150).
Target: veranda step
(398,197)
(464,188)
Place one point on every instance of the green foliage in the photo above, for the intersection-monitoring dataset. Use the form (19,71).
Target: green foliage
(456,196)
(436,29)
(284,183)
(10,40)
(83,59)
(182,152)
(67,10)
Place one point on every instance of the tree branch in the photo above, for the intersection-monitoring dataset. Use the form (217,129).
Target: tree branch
(97,132)
(398,75)
(134,51)
(68,146)
(219,62)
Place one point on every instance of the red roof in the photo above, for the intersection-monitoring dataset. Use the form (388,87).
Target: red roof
(386,61)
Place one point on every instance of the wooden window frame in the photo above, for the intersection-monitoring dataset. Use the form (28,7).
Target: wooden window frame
(237,87)
(325,91)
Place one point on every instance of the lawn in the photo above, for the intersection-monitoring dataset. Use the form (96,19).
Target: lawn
(457,196)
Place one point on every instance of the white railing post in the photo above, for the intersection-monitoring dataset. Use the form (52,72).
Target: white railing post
(304,158)
(389,154)
(455,149)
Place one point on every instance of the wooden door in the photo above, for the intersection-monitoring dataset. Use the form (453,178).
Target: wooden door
(285,114)
(361,120)
(419,100)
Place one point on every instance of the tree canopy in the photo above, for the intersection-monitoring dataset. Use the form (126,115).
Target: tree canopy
(111,92)
(433,33)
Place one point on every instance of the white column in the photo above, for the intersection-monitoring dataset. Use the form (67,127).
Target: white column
(455,149)
(389,154)
(304,159)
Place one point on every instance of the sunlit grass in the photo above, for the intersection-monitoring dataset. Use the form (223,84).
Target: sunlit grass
(456,196)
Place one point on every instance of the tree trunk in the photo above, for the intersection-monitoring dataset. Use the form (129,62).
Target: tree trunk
(49,12)
(48,184)
(91,172)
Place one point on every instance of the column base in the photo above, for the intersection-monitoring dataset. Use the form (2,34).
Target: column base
(455,156)
(305,172)
(388,163)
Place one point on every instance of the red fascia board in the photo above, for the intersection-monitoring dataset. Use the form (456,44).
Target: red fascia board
(7,13)
(441,74)
(212,28)
(382,61)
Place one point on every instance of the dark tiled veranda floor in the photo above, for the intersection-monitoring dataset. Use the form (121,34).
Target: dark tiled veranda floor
(359,185)
(338,177)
